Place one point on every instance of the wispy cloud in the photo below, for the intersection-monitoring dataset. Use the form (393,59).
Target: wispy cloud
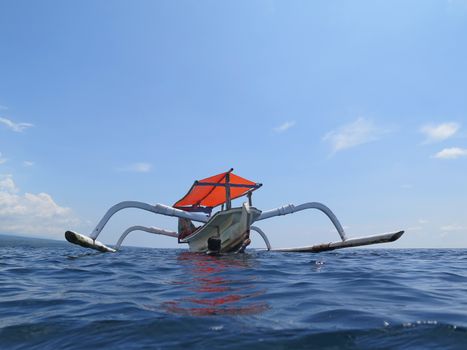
(7,184)
(350,135)
(407,186)
(284,127)
(137,168)
(17,127)
(414,228)
(457,4)
(28,163)
(451,153)
(2,160)
(3,107)
(31,213)
(453,227)
(419,227)
(439,132)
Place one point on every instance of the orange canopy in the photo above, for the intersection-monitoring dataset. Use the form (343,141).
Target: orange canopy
(211,192)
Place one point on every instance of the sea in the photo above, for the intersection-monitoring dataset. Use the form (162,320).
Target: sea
(54,295)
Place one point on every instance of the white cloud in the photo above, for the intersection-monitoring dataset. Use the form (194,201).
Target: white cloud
(28,163)
(284,127)
(31,213)
(451,153)
(439,132)
(17,127)
(137,168)
(350,135)
(3,107)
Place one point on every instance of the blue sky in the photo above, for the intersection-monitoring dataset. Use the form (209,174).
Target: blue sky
(358,104)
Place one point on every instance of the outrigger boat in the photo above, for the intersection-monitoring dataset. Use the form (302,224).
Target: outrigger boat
(226,231)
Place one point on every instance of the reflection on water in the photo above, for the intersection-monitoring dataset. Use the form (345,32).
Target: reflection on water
(217,285)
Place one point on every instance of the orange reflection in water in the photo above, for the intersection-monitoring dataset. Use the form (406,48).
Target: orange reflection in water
(217,285)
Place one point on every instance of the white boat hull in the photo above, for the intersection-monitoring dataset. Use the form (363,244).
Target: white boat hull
(231,226)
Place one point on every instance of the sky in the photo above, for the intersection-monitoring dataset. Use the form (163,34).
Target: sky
(360,105)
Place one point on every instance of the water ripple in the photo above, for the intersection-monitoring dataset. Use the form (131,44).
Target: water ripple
(55,295)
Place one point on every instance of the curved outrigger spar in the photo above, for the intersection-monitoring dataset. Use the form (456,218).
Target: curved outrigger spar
(228,230)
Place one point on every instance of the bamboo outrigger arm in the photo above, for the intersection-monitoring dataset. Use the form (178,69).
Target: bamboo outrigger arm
(91,242)
(156,208)
(345,243)
(160,231)
(262,234)
(290,208)
(155,230)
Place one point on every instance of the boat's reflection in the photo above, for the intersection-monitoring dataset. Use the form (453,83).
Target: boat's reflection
(217,285)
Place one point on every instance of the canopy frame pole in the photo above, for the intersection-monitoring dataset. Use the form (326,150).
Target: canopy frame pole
(215,184)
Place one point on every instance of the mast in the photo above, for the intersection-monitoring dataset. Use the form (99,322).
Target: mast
(227,191)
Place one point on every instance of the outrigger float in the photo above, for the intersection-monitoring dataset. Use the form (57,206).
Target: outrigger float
(226,231)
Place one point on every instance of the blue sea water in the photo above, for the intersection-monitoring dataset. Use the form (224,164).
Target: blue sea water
(54,295)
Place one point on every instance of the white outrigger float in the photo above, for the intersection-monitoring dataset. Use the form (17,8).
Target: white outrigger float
(226,231)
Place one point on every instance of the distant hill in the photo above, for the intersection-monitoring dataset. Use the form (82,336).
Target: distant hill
(11,240)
